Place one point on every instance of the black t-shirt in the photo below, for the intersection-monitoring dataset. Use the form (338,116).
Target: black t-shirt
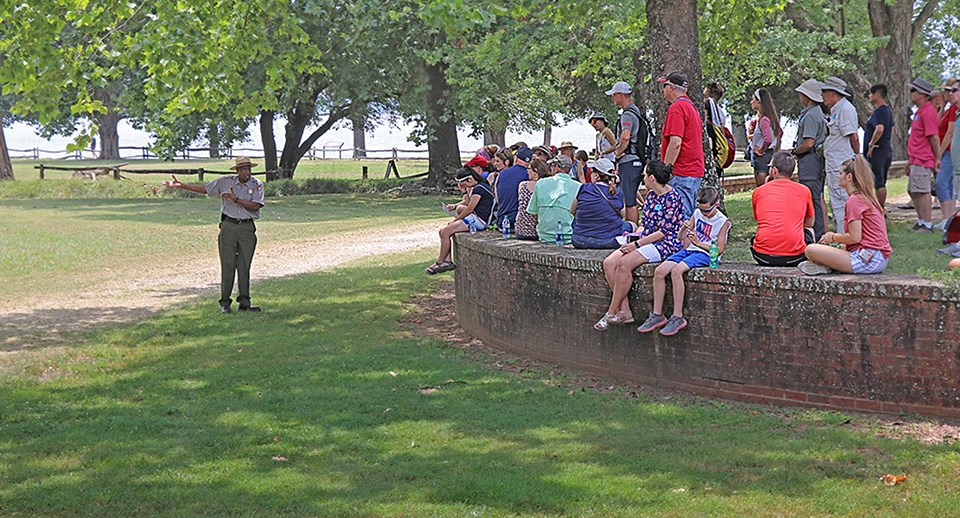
(485,205)
(882,115)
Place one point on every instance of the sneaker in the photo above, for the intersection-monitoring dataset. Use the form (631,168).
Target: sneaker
(949,249)
(917,227)
(652,322)
(674,325)
(812,268)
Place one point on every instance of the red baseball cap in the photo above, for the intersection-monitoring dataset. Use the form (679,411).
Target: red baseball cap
(477,160)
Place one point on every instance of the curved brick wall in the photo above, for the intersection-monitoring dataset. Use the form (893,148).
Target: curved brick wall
(765,335)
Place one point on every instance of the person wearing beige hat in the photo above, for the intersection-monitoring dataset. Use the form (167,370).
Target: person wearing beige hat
(842,142)
(808,148)
(567,148)
(923,152)
(241,198)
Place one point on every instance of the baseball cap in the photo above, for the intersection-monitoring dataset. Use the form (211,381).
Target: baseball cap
(477,160)
(603,165)
(524,154)
(620,87)
(676,79)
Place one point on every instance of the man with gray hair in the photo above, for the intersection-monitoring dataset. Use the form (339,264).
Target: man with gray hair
(842,142)
(808,148)
(784,213)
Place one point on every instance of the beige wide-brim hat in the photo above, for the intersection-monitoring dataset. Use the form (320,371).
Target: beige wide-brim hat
(243,162)
(811,88)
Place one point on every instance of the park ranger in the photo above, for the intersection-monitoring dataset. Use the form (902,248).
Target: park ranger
(241,198)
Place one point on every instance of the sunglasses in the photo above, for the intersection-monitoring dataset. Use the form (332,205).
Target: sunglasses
(952,89)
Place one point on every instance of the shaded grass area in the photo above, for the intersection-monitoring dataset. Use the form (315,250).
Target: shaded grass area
(318,407)
(55,244)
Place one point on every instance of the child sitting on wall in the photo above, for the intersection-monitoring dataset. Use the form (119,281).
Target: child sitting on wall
(707,225)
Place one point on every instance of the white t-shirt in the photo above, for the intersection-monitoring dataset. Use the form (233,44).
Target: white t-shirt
(707,229)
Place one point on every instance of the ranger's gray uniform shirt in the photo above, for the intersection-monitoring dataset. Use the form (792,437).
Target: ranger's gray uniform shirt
(250,191)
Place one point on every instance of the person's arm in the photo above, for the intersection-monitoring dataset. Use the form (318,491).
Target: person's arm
(877,133)
(853,235)
(573,207)
(935,144)
(945,141)
(805,146)
(722,238)
(534,206)
(581,171)
(471,205)
(247,204)
(652,237)
(623,143)
(192,187)
(609,137)
(855,142)
(673,149)
(766,129)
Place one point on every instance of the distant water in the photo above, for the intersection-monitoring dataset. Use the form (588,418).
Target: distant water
(22,139)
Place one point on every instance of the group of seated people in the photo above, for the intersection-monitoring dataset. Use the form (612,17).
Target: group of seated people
(541,198)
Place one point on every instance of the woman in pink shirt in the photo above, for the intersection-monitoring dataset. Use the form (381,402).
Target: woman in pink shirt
(867,245)
(766,135)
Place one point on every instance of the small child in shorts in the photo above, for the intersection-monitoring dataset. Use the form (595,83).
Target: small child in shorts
(706,225)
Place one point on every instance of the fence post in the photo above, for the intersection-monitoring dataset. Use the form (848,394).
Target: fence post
(41,171)
(116,172)
(200,174)
(365,171)
(394,153)
(143,153)
(36,153)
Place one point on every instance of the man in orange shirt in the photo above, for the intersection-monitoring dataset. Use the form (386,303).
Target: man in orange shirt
(784,213)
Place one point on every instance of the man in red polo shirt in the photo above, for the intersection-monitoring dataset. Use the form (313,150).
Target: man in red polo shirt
(682,144)
(784,213)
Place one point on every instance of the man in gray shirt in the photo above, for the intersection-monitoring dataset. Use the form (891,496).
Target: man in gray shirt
(629,165)
(808,148)
(241,198)
(842,142)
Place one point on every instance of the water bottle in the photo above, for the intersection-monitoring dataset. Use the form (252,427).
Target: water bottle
(473,227)
(506,228)
(559,240)
(714,255)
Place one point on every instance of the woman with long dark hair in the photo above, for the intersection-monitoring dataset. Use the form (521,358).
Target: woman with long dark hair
(767,135)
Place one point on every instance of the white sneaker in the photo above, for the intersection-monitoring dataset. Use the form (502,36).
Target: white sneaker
(812,268)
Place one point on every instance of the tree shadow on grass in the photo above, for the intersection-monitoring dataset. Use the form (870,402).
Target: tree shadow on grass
(321,407)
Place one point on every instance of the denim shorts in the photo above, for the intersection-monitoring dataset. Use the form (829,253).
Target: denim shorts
(687,187)
(944,186)
(691,258)
(472,219)
(866,260)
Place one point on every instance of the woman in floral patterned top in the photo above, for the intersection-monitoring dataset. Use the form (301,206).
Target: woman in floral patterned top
(526,222)
(661,221)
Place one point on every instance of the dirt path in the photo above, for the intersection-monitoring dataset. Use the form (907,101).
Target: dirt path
(130,295)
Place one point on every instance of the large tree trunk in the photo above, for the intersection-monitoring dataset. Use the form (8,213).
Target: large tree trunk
(547,131)
(442,143)
(109,137)
(6,168)
(495,134)
(357,121)
(672,30)
(269,143)
(896,21)
(213,140)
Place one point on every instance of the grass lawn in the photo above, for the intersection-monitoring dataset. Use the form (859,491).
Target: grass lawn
(51,245)
(313,408)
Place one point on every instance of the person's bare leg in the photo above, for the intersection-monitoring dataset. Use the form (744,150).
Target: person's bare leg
(882,196)
(676,278)
(835,258)
(633,214)
(660,285)
(923,203)
(445,234)
(624,281)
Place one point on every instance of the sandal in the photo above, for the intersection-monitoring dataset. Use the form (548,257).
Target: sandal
(621,318)
(432,269)
(436,268)
(604,323)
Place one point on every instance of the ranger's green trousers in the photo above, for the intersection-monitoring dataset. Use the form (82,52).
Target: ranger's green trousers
(237,243)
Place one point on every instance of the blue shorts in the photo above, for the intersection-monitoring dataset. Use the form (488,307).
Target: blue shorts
(866,260)
(687,187)
(691,258)
(472,219)
(630,173)
(945,187)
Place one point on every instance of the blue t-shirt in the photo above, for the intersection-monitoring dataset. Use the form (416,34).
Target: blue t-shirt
(507,193)
(598,212)
(882,115)
(485,205)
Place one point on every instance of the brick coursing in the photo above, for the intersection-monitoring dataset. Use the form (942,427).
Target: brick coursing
(883,343)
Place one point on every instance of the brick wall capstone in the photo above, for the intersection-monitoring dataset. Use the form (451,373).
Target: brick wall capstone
(882,343)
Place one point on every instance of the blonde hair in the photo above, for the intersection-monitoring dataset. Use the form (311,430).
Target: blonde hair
(862,176)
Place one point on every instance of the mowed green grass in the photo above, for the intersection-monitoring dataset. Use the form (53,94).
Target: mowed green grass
(52,245)
(332,168)
(315,408)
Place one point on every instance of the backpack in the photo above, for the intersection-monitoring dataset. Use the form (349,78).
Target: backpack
(724,147)
(645,134)
(951,231)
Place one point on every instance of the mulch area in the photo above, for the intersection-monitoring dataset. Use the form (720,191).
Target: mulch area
(434,316)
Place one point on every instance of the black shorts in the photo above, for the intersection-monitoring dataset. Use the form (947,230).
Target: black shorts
(880,164)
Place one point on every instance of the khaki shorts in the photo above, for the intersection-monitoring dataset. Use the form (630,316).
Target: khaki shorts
(919,181)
